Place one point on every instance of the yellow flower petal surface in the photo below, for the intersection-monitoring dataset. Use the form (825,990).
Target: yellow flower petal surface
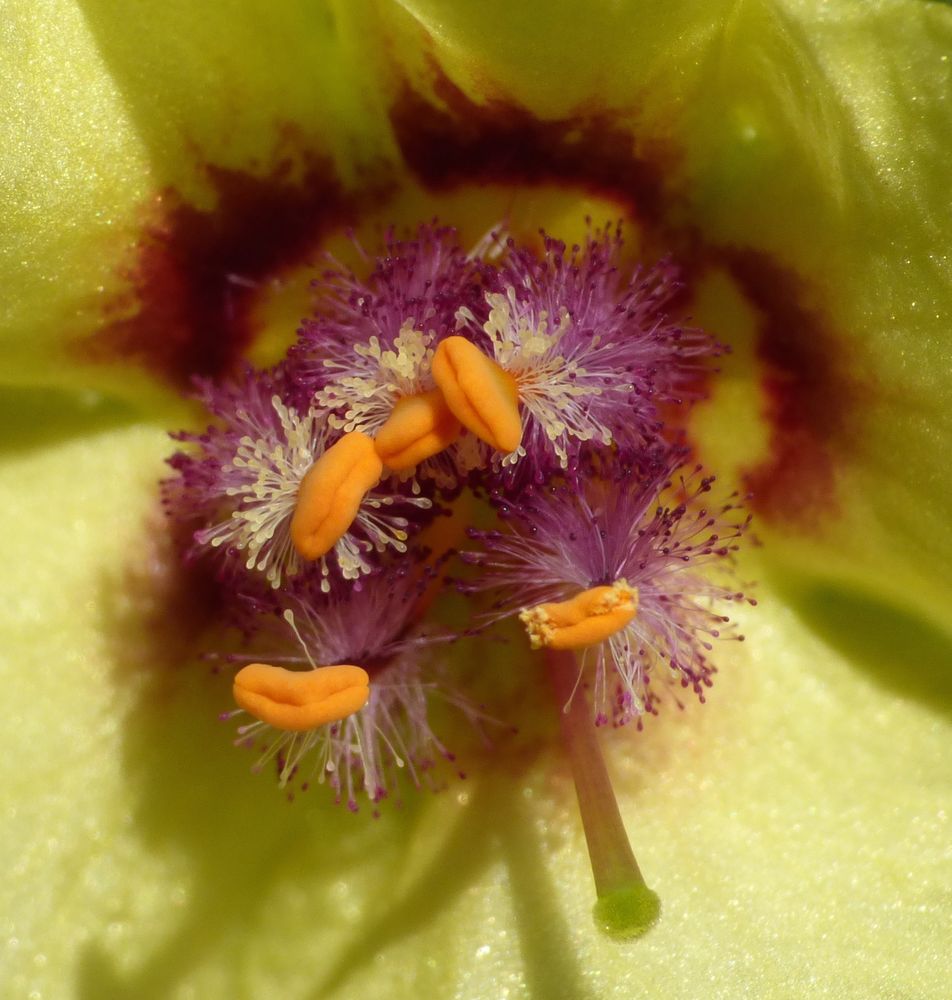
(796,826)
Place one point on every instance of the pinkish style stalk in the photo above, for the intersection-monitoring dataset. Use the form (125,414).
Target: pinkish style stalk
(625,907)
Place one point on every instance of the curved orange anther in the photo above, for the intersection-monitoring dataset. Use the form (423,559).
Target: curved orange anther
(298,700)
(588,618)
(419,427)
(330,494)
(481,394)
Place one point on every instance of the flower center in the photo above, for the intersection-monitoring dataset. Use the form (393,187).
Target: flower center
(565,364)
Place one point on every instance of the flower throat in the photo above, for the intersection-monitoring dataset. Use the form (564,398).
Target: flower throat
(330,492)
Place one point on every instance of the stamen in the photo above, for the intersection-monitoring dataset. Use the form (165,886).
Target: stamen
(481,394)
(331,493)
(419,427)
(588,618)
(625,907)
(299,700)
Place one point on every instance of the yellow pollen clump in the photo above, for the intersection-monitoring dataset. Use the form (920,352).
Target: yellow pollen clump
(298,700)
(588,618)
(330,494)
(418,428)
(480,393)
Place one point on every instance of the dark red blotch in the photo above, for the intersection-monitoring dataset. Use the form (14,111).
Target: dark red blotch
(196,272)
(810,395)
(462,142)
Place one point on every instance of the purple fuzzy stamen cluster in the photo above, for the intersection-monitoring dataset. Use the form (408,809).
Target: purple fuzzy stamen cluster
(593,494)
(638,517)
(377,626)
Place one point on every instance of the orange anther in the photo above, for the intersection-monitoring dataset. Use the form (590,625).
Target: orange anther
(588,618)
(330,494)
(419,427)
(480,393)
(297,700)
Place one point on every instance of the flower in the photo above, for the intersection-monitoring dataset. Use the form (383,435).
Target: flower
(794,156)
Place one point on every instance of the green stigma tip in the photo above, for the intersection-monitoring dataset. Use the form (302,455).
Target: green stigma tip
(628,912)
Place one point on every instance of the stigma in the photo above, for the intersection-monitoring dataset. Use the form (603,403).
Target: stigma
(481,394)
(300,700)
(587,619)
(331,493)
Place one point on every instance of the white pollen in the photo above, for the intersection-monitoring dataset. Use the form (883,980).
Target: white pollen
(372,380)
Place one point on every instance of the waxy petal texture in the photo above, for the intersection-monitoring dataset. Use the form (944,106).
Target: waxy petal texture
(793,156)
